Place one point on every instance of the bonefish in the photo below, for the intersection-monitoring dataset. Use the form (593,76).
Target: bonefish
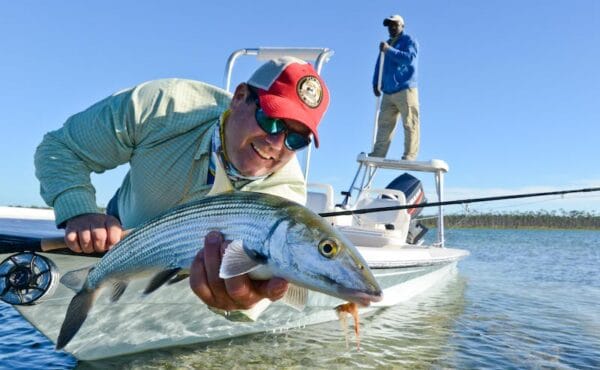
(274,237)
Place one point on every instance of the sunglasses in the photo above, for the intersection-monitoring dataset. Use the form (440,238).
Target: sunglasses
(273,126)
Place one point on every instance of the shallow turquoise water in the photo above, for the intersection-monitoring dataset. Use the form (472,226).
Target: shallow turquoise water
(522,299)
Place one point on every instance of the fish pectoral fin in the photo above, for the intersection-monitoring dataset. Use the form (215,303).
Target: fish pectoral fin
(160,279)
(75,279)
(119,287)
(236,261)
(76,314)
(295,297)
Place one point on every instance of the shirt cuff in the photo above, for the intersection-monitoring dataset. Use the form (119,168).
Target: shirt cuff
(73,203)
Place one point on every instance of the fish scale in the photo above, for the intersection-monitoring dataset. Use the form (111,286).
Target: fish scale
(217,209)
(246,228)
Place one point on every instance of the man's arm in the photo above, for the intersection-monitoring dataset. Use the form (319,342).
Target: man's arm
(401,56)
(94,140)
(107,135)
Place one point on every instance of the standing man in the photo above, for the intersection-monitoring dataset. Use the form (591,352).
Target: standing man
(399,86)
(178,136)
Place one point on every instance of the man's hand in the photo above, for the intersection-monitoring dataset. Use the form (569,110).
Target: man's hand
(237,293)
(376,91)
(383,46)
(92,232)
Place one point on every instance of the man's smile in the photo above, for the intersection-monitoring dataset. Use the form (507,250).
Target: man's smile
(261,153)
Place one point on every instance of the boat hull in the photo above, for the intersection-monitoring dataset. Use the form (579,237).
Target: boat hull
(174,316)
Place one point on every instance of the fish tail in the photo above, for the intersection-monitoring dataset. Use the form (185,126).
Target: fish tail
(76,314)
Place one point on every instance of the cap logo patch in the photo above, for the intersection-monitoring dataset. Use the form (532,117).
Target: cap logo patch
(309,90)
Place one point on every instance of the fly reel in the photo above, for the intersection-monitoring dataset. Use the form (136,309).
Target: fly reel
(27,277)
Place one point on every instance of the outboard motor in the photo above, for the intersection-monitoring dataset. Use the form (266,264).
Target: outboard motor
(27,277)
(413,191)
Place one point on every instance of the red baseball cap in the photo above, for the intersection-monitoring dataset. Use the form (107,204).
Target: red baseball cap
(290,88)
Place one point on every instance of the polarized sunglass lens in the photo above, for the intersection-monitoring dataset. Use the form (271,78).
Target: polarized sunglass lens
(268,124)
(296,141)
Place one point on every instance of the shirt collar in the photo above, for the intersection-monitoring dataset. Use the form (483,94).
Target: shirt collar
(218,152)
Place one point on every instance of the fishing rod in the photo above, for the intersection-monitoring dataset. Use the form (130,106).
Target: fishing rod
(451,202)
(16,243)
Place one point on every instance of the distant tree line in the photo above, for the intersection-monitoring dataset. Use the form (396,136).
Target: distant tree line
(521,220)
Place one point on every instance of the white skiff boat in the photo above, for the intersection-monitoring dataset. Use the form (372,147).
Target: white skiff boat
(390,241)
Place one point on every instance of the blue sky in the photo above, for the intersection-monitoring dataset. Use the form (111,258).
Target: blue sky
(509,90)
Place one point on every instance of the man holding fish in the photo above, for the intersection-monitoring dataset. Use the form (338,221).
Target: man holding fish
(184,139)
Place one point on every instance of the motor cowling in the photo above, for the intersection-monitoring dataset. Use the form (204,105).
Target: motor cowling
(26,278)
(414,193)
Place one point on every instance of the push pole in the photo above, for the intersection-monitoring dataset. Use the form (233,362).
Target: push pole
(378,100)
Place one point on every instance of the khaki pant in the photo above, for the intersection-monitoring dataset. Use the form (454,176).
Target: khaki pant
(404,103)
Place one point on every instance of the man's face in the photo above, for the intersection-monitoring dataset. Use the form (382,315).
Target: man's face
(250,149)
(394,28)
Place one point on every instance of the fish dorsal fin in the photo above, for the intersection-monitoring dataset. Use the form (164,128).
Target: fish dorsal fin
(222,183)
(75,279)
(236,262)
(119,287)
(161,278)
(296,297)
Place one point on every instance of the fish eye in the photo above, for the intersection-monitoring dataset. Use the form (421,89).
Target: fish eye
(328,248)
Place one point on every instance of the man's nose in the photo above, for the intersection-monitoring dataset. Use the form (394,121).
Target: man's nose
(276,140)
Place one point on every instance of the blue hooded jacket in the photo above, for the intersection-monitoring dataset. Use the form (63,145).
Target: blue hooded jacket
(399,65)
